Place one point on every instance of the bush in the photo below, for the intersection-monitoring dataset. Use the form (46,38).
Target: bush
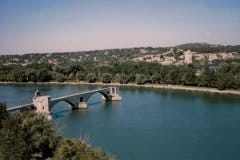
(27,136)
(44,75)
(141,79)
(106,78)
(78,149)
(3,113)
(30,136)
(123,79)
(80,76)
(60,78)
(91,78)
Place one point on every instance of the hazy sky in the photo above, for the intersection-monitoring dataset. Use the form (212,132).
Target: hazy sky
(71,25)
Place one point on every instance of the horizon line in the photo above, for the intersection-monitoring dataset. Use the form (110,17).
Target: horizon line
(89,50)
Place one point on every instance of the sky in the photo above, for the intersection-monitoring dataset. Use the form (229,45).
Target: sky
(37,26)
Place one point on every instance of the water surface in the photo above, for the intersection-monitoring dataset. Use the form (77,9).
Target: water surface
(148,123)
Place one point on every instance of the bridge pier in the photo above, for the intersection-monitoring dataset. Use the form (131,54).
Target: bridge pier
(82,105)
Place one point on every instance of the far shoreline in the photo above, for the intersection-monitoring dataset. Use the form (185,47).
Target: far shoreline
(156,86)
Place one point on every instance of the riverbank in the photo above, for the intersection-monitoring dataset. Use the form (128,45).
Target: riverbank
(159,86)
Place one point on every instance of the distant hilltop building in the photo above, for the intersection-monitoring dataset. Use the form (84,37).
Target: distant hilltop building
(188,57)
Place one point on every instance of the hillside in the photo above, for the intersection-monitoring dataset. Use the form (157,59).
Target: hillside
(197,66)
(197,53)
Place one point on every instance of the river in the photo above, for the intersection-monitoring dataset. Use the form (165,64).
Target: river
(148,124)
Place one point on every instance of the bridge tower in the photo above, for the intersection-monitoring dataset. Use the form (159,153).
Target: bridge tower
(41,104)
(112,95)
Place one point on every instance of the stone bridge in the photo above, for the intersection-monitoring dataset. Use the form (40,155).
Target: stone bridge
(44,104)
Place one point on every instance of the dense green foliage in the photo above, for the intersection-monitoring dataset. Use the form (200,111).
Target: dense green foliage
(31,136)
(223,75)
(27,136)
(78,149)
(3,113)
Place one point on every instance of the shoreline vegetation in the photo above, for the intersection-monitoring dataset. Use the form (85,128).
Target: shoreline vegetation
(30,136)
(154,86)
(222,75)
(193,66)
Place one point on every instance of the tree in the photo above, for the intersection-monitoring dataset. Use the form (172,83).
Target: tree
(122,78)
(208,78)
(3,113)
(104,69)
(81,76)
(189,77)
(39,135)
(17,76)
(27,136)
(173,76)
(30,136)
(106,78)
(91,78)
(132,78)
(13,145)
(142,79)
(70,149)
(72,69)
(44,75)
(60,77)
(31,75)
(156,78)
(225,81)
(224,67)
(163,73)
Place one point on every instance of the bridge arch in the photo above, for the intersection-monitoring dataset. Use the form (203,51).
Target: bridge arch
(63,100)
(104,94)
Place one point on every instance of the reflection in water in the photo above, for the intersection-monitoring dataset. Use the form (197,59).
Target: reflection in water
(111,104)
(59,114)
(82,112)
